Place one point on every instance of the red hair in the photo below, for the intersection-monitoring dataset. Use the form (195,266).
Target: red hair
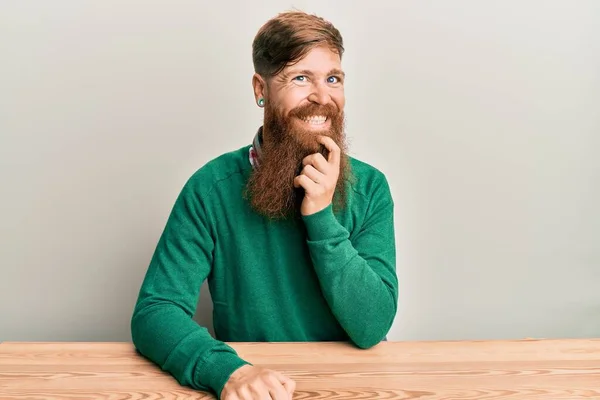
(286,38)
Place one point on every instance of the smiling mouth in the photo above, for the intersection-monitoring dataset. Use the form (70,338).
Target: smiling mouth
(315,120)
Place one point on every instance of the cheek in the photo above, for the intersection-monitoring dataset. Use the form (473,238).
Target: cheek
(339,100)
(293,99)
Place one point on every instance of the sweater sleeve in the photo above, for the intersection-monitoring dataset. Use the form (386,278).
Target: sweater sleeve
(162,327)
(358,275)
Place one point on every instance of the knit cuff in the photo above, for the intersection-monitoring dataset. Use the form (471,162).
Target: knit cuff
(323,225)
(217,370)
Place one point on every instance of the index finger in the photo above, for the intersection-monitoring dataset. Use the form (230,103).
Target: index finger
(331,145)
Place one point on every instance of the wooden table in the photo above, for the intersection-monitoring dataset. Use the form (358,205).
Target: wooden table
(511,370)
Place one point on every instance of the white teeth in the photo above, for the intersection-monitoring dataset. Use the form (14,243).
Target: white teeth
(316,120)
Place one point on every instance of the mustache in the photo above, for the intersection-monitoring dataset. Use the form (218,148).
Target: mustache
(327,110)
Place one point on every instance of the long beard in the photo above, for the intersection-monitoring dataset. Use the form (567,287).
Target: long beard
(270,189)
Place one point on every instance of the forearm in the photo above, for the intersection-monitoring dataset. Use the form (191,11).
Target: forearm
(162,327)
(360,288)
(363,303)
(165,334)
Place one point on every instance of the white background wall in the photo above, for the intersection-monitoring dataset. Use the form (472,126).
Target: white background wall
(484,115)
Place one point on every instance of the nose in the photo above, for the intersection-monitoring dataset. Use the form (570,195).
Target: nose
(320,94)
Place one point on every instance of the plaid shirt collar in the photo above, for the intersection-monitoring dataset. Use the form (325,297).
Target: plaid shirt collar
(255,150)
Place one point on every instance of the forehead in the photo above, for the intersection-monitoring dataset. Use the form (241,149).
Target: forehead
(318,60)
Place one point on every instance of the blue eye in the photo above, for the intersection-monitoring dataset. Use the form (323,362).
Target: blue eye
(300,78)
(333,79)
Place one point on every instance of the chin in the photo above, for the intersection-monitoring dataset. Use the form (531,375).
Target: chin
(308,139)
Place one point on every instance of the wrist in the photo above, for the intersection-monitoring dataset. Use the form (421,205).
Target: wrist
(218,369)
(312,209)
(322,224)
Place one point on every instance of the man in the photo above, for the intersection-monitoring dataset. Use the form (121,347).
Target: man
(295,237)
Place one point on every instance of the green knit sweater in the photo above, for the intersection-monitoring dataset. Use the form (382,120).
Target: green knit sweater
(323,277)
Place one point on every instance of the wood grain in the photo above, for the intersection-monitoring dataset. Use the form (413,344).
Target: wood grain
(451,370)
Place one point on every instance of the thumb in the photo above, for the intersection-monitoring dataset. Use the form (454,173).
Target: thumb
(290,386)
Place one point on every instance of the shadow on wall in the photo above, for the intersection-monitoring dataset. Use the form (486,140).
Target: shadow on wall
(204,309)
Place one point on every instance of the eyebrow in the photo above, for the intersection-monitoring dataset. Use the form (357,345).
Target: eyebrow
(334,71)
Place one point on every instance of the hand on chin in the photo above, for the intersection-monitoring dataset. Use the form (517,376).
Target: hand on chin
(319,177)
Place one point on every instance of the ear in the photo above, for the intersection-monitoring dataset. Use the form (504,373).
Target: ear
(259,86)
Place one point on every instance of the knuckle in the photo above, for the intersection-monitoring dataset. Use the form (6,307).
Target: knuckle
(258,389)
(243,393)
(273,381)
